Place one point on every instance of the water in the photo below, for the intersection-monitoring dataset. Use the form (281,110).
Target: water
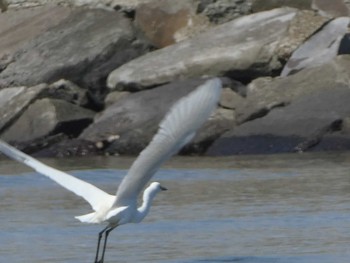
(255,209)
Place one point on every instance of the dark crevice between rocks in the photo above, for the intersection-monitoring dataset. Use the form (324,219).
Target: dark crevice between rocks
(72,128)
(256,71)
(128,13)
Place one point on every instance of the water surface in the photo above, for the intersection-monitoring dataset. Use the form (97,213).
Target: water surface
(281,208)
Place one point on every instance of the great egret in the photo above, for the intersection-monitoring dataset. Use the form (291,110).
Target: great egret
(176,129)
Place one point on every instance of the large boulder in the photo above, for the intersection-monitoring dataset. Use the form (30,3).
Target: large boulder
(304,24)
(15,100)
(47,117)
(243,48)
(296,127)
(166,22)
(18,27)
(320,48)
(136,110)
(264,94)
(334,8)
(84,43)
(293,113)
(130,123)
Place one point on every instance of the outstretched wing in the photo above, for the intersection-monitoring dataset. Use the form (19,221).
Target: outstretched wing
(176,129)
(93,195)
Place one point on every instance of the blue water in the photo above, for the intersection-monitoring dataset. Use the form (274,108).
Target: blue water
(279,209)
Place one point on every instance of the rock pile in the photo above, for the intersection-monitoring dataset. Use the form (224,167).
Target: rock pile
(96,77)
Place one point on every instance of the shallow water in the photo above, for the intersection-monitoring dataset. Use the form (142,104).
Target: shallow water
(282,208)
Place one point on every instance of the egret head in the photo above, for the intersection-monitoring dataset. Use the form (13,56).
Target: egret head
(157,187)
(153,189)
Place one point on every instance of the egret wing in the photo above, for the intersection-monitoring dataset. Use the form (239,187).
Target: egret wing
(93,195)
(176,129)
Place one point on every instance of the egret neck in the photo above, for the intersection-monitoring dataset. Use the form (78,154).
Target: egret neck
(148,196)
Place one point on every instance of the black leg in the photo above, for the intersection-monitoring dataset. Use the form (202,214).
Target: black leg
(105,243)
(100,234)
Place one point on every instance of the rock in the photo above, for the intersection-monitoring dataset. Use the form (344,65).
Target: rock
(259,5)
(295,127)
(230,99)
(13,101)
(264,94)
(220,122)
(31,147)
(137,109)
(302,27)
(133,121)
(222,11)
(244,49)
(67,91)
(58,145)
(114,97)
(166,22)
(47,117)
(334,8)
(95,79)
(320,48)
(84,40)
(126,6)
(68,148)
(18,27)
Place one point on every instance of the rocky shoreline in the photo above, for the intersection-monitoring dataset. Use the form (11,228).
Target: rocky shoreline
(83,78)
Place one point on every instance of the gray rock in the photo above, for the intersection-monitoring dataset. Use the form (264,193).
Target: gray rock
(67,91)
(130,123)
(220,122)
(13,101)
(222,11)
(137,109)
(114,97)
(301,28)
(334,8)
(68,148)
(296,127)
(230,99)
(264,94)
(320,48)
(259,5)
(70,50)
(47,117)
(18,27)
(243,49)
(165,22)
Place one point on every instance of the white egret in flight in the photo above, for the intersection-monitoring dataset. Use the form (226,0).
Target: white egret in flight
(176,129)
